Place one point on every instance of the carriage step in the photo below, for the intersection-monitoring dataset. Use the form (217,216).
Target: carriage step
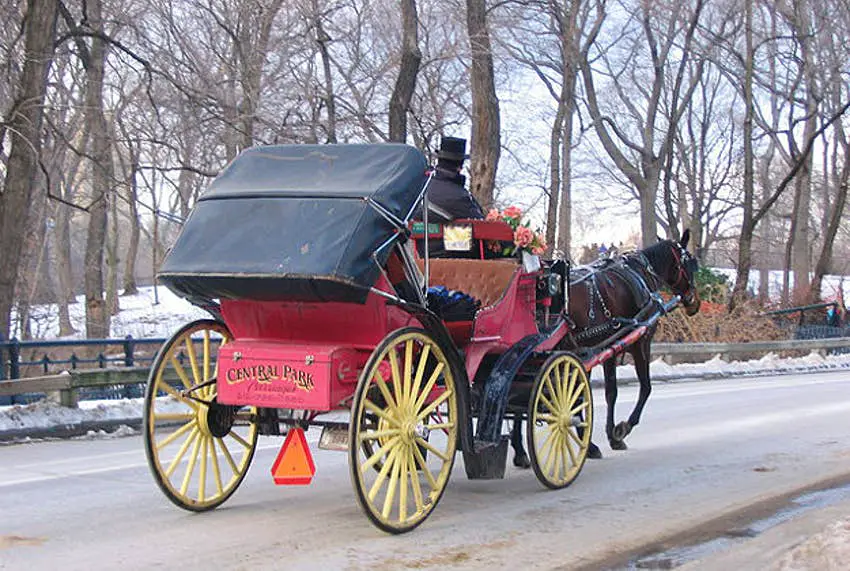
(487,460)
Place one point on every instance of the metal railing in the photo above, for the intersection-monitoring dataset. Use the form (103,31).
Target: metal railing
(13,354)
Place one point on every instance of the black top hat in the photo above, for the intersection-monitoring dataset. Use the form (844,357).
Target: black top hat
(452,148)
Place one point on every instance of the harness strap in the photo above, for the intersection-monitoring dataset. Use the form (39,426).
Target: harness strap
(639,276)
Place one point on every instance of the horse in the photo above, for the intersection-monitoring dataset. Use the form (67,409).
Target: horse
(609,293)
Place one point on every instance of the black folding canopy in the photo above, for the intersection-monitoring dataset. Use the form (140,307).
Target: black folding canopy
(294,222)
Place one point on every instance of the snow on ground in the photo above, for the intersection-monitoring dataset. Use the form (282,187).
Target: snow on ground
(46,414)
(140,316)
(828,550)
(717,367)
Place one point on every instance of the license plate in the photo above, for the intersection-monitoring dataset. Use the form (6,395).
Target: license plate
(334,438)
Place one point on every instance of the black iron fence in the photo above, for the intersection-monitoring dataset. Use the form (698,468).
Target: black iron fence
(20,359)
(16,356)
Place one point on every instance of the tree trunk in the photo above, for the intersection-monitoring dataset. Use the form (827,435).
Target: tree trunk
(406,82)
(130,287)
(255,28)
(834,218)
(322,38)
(801,247)
(24,122)
(31,261)
(555,177)
(767,245)
(648,196)
(566,106)
(745,241)
(112,260)
(97,313)
(61,274)
(486,134)
(565,200)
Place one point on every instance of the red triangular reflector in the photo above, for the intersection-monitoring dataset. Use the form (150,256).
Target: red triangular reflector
(294,464)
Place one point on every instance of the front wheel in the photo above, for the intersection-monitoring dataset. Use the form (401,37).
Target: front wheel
(403,432)
(560,420)
(198,449)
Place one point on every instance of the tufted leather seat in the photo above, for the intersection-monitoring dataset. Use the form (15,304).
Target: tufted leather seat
(485,280)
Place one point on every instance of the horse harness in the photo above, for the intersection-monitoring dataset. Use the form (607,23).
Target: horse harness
(635,270)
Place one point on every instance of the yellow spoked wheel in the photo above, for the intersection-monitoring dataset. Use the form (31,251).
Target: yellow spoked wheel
(408,386)
(560,420)
(198,450)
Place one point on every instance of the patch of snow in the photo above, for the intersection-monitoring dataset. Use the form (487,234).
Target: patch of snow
(46,414)
(120,432)
(717,367)
(829,549)
(147,314)
(659,368)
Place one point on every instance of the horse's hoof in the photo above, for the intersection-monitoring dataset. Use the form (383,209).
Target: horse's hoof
(593,452)
(617,444)
(622,430)
(522,461)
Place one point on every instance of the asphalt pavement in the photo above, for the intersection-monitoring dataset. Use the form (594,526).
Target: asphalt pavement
(709,458)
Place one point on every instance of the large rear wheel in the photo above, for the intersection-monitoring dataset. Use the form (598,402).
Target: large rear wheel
(560,420)
(403,419)
(198,450)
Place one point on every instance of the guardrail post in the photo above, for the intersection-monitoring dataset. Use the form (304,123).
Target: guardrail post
(45,363)
(74,360)
(15,359)
(128,351)
(69,398)
(101,360)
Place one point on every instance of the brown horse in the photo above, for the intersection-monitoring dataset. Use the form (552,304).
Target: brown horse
(609,295)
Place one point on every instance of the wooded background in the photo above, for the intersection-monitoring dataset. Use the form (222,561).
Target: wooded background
(723,116)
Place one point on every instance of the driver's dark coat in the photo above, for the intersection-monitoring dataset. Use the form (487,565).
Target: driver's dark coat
(446,191)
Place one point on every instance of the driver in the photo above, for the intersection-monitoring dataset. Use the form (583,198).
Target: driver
(447,193)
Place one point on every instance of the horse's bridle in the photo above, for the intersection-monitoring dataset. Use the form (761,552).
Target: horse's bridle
(689,291)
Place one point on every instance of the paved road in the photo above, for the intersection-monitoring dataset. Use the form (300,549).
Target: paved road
(706,449)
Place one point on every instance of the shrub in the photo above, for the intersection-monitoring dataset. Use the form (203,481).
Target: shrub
(712,286)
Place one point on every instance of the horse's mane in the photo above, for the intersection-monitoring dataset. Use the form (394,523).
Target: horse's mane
(659,255)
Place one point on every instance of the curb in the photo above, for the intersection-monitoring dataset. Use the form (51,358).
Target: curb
(64,431)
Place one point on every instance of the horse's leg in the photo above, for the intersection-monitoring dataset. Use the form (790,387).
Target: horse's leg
(520,457)
(641,356)
(593,451)
(610,368)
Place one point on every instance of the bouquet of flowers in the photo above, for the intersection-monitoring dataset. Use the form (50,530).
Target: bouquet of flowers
(525,239)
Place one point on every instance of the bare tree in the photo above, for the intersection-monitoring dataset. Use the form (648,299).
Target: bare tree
(486,134)
(24,120)
(639,158)
(408,70)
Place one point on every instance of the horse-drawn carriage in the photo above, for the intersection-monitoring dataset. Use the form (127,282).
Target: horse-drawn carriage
(314,262)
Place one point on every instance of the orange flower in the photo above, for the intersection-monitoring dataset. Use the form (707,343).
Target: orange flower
(512,212)
(523,236)
(493,215)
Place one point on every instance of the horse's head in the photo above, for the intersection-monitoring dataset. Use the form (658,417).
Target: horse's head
(681,272)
